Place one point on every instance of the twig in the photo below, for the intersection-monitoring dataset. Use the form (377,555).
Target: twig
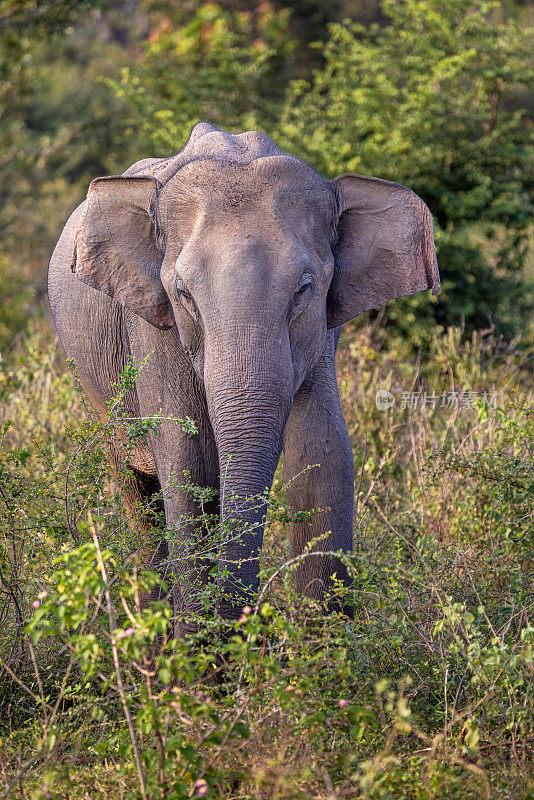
(120,684)
(355,516)
(39,682)
(19,775)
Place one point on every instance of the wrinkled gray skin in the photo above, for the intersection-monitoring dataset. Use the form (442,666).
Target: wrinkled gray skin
(231,267)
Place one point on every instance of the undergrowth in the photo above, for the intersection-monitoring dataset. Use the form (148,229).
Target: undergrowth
(428,693)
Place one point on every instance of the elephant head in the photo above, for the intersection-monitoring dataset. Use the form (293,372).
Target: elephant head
(253,256)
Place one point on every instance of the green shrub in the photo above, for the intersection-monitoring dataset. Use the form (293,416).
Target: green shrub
(16,300)
(426,694)
(226,67)
(428,101)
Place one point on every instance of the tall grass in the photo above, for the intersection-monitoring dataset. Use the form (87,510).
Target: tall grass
(428,693)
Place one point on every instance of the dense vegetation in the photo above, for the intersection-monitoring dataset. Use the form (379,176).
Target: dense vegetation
(429,693)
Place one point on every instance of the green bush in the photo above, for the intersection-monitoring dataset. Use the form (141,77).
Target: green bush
(426,694)
(228,68)
(16,302)
(428,101)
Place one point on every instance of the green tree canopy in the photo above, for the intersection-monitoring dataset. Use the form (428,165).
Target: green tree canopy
(427,101)
(227,67)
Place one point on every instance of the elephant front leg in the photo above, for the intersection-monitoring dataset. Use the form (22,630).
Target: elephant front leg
(319,468)
(192,562)
(191,509)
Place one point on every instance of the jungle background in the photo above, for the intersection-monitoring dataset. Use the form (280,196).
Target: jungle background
(429,692)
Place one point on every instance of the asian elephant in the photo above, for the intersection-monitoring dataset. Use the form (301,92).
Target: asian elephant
(230,266)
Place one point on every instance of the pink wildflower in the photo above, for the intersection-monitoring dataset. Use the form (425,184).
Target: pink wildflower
(202,787)
(36,604)
(246,610)
(342,703)
(124,634)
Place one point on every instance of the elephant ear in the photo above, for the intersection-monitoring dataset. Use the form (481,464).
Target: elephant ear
(385,247)
(116,247)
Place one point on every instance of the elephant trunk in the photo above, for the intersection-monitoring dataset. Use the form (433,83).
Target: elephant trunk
(248,415)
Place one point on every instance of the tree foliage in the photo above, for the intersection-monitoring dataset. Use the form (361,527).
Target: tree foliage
(228,67)
(59,126)
(427,101)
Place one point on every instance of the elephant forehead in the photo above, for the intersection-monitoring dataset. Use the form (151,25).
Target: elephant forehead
(278,185)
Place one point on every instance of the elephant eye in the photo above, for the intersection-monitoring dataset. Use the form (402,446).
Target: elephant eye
(303,294)
(186,300)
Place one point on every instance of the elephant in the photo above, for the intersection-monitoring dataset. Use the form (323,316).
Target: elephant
(230,267)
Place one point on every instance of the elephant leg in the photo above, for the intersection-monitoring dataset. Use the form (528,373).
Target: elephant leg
(167,385)
(192,551)
(187,469)
(141,495)
(318,465)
